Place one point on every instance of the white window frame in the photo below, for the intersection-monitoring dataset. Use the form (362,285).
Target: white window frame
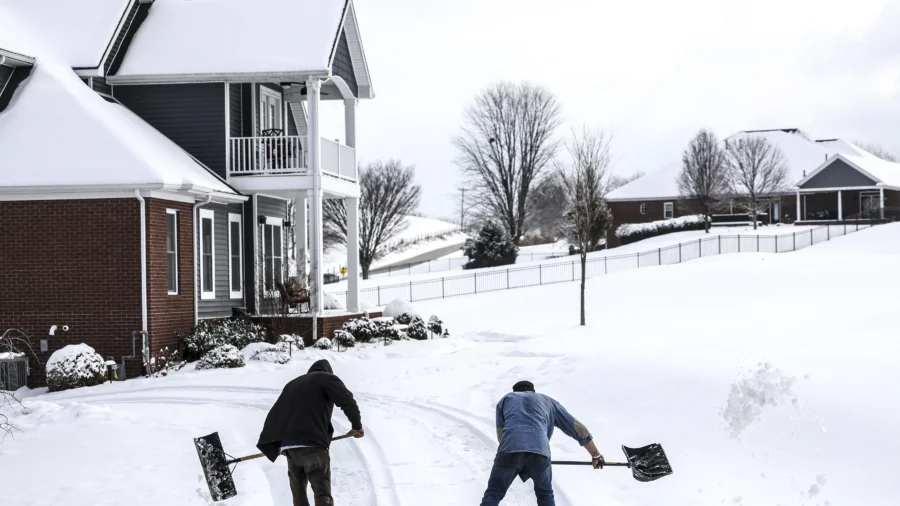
(211,215)
(668,210)
(263,107)
(274,222)
(236,218)
(643,208)
(173,212)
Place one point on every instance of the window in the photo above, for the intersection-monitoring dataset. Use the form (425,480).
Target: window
(668,210)
(207,255)
(235,268)
(270,109)
(643,208)
(172,250)
(273,253)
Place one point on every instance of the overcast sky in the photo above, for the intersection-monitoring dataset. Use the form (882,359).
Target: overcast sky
(652,73)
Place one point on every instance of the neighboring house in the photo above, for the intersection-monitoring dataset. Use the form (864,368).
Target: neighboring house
(161,162)
(828,180)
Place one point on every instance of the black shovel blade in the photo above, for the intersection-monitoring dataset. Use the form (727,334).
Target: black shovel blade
(648,463)
(215,467)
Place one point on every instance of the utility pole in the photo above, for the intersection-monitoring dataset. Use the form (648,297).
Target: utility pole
(462,209)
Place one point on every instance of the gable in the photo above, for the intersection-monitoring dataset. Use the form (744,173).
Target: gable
(342,65)
(839,174)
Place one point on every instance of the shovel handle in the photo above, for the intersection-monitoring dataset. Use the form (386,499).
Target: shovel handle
(583,463)
(260,455)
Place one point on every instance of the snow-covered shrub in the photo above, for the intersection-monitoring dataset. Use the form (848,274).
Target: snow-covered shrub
(363,330)
(286,341)
(74,366)
(417,330)
(223,357)
(265,352)
(435,325)
(446,334)
(210,334)
(491,247)
(165,361)
(397,308)
(388,332)
(331,302)
(343,339)
(323,344)
(633,232)
(404,319)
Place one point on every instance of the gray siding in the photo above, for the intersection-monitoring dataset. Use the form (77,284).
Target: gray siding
(222,304)
(343,65)
(272,207)
(192,115)
(291,124)
(247,123)
(236,110)
(838,175)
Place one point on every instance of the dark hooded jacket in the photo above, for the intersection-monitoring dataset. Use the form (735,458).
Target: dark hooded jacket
(302,413)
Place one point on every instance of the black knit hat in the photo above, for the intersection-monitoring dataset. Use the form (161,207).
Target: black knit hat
(523,386)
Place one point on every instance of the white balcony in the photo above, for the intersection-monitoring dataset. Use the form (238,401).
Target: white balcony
(284,155)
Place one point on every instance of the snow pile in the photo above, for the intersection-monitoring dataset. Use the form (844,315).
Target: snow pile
(631,232)
(750,396)
(323,343)
(265,352)
(10,355)
(399,307)
(331,302)
(74,366)
(223,357)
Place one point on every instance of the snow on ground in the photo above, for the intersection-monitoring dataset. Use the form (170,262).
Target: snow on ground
(416,226)
(647,245)
(769,379)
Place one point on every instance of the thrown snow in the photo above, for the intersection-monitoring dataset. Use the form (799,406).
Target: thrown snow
(767,387)
(655,363)
(399,307)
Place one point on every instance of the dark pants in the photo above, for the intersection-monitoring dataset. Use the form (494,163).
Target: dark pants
(527,465)
(313,466)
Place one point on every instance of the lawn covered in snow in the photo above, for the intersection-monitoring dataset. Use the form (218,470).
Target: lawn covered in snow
(769,379)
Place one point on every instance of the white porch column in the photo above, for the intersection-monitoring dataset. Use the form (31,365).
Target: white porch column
(798,218)
(881,203)
(840,206)
(352,254)
(314,153)
(350,122)
(300,235)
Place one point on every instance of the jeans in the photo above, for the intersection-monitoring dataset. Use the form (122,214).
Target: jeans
(313,466)
(527,465)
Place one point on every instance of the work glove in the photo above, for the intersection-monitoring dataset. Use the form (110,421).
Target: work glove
(597,462)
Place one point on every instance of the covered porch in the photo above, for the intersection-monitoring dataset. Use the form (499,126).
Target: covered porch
(835,205)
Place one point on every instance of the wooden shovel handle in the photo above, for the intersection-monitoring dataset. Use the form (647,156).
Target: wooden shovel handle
(583,463)
(260,455)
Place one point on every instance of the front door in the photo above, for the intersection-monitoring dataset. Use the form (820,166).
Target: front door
(270,110)
(868,202)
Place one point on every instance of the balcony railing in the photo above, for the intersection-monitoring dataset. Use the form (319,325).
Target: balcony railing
(279,155)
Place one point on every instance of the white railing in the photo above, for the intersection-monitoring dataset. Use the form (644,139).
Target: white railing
(285,154)
(267,155)
(338,159)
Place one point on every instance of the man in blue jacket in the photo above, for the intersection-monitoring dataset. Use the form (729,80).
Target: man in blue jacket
(525,422)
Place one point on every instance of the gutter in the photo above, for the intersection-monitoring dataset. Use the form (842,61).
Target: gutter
(246,77)
(196,241)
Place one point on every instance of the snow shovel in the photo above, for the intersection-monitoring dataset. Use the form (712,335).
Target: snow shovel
(216,464)
(647,463)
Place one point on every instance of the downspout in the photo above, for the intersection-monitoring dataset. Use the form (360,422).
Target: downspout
(145,342)
(196,252)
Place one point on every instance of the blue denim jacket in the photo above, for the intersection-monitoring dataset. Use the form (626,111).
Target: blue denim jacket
(527,419)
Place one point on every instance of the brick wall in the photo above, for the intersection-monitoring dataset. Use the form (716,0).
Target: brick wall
(169,315)
(630,212)
(75,263)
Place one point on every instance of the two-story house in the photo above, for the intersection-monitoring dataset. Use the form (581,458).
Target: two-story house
(161,162)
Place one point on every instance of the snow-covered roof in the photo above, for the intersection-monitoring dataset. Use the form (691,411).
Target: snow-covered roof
(58,133)
(802,156)
(79,30)
(211,37)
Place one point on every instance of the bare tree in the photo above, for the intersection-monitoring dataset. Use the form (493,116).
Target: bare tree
(877,150)
(388,194)
(585,182)
(756,170)
(617,181)
(704,173)
(506,143)
(13,342)
(547,207)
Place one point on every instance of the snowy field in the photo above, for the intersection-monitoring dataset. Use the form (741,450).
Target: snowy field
(769,379)
(416,226)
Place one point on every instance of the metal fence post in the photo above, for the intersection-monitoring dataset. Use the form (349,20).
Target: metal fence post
(605,271)
(795,241)
(540,274)
(476,282)
(507,279)
(828,229)
(410,291)
(379,295)
(659,257)
(443,294)
(776,244)
(810,237)
(739,243)
(700,247)
(679,252)
(573,270)
(757,243)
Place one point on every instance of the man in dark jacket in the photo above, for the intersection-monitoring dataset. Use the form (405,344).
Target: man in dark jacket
(299,427)
(525,423)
